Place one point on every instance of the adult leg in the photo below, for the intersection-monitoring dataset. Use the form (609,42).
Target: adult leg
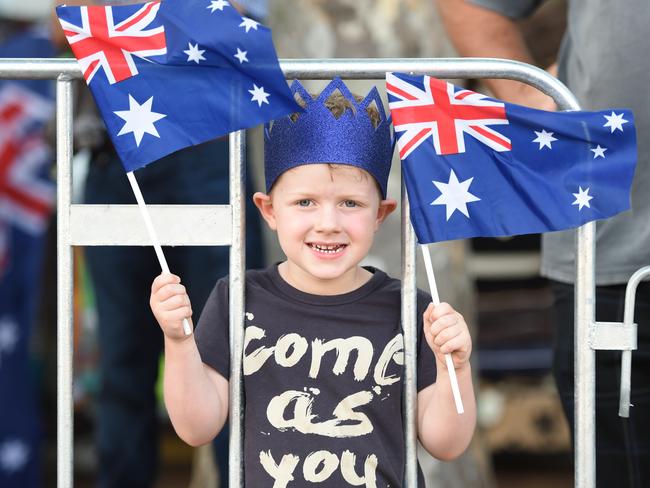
(130,346)
(622,445)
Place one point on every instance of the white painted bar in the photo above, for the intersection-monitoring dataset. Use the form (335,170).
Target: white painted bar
(176,225)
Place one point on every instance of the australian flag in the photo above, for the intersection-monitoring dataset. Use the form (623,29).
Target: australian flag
(476,166)
(171,74)
(26,199)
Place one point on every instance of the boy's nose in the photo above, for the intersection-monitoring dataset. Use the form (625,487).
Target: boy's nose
(327,220)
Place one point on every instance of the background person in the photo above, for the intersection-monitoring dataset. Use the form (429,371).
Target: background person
(603,62)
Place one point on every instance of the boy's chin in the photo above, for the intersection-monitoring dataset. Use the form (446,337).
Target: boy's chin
(328,271)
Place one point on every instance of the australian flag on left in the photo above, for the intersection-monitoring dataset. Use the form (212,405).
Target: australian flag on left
(167,75)
(26,199)
(479,167)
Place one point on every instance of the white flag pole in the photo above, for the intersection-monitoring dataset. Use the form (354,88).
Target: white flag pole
(152,235)
(433,289)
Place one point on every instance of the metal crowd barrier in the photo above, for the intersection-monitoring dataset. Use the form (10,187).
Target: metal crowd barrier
(80,225)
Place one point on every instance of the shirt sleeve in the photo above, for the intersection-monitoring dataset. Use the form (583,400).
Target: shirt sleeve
(212,331)
(426,359)
(514,9)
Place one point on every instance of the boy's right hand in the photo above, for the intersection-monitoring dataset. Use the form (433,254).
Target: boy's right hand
(170,304)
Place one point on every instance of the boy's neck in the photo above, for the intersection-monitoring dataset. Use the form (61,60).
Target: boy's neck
(305,282)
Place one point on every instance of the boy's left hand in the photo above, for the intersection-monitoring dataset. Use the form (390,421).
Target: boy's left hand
(446,333)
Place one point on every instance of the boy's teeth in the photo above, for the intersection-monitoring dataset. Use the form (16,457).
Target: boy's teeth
(328,249)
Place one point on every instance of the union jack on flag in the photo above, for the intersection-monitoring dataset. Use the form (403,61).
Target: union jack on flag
(101,42)
(432,109)
(536,171)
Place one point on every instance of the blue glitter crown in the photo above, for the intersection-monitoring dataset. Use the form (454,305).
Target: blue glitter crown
(317,136)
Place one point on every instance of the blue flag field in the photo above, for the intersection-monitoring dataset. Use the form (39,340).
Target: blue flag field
(475,166)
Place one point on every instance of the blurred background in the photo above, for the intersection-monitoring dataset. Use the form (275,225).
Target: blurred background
(522,438)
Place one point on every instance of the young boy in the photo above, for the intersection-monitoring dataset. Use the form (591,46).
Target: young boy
(323,347)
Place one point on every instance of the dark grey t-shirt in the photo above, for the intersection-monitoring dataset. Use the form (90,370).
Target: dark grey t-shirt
(322,380)
(604,62)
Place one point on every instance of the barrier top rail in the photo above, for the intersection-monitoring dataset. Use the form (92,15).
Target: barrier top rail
(359,69)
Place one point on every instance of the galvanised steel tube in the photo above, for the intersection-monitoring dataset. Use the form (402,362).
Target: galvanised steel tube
(585,358)
(39,68)
(64,342)
(236,303)
(626,356)
(409,326)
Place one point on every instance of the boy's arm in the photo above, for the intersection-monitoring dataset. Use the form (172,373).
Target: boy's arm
(196,396)
(442,431)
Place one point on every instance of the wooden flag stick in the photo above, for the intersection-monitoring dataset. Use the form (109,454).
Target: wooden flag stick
(153,235)
(433,289)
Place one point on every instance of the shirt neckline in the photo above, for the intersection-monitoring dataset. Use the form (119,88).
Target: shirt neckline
(378,277)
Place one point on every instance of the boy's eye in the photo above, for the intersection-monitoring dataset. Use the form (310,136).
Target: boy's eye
(305,202)
(350,203)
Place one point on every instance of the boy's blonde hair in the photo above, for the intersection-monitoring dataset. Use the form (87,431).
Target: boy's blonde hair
(338,104)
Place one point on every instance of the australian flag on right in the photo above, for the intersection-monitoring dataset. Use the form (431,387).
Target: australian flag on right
(475,166)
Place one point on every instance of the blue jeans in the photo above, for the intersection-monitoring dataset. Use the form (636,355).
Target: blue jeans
(130,339)
(622,445)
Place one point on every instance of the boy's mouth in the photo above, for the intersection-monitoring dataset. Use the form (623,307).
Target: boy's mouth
(327,248)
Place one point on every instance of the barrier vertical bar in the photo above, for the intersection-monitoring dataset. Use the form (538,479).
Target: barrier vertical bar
(236,302)
(409,321)
(64,343)
(585,359)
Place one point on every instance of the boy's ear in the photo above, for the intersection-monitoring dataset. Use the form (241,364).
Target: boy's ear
(265,206)
(386,207)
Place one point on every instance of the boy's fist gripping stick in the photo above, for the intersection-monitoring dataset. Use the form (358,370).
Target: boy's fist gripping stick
(171,306)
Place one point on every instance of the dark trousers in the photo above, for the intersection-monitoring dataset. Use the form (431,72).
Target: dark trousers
(622,445)
(130,340)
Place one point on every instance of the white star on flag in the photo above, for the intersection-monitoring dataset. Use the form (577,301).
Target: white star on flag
(544,139)
(218,5)
(13,455)
(8,336)
(139,119)
(454,195)
(599,152)
(194,53)
(241,55)
(582,198)
(248,24)
(615,122)
(259,95)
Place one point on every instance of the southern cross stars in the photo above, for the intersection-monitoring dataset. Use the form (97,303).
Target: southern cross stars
(14,454)
(582,198)
(8,336)
(615,122)
(259,95)
(217,5)
(454,195)
(241,55)
(194,53)
(248,24)
(139,119)
(599,152)
(544,139)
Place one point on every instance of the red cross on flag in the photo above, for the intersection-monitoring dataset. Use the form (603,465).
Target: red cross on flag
(445,115)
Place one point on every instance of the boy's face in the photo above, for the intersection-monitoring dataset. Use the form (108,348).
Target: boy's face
(326,217)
